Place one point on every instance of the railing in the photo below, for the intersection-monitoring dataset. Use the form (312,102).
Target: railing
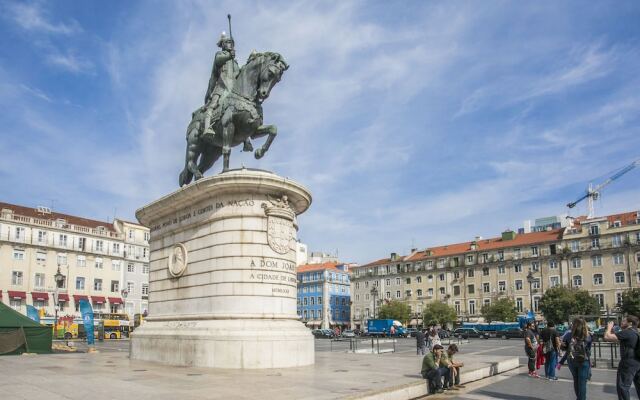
(605,352)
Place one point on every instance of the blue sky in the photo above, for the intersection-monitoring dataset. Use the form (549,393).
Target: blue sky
(412,123)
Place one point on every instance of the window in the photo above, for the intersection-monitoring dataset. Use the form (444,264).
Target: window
(576,263)
(131,268)
(502,286)
(470,273)
(534,251)
(595,243)
(387,295)
(41,257)
(519,305)
(619,277)
(407,293)
(574,245)
(594,230)
(516,253)
(456,274)
(397,294)
(115,286)
(62,259)
(62,240)
(471,289)
(419,292)
(536,303)
(79,283)
(116,248)
(616,241)
(16,304)
(577,280)
(18,255)
(486,288)
(535,266)
(38,281)
(319,299)
(131,288)
(82,242)
(554,281)
(485,271)
(97,284)
(501,270)
(430,292)
(456,305)
(441,276)
(618,259)
(20,233)
(98,263)
(115,265)
(553,264)
(81,261)
(145,268)
(144,252)
(619,298)
(519,284)
(99,245)
(398,281)
(16,278)
(597,279)
(501,255)
(486,302)
(305,301)
(638,257)
(131,233)
(596,261)
(147,236)
(535,284)
(485,257)
(472,307)
(312,300)
(408,280)
(517,268)
(419,279)
(600,298)
(469,259)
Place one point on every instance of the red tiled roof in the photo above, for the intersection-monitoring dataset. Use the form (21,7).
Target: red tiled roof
(318,267)
(73,220)
(628,218)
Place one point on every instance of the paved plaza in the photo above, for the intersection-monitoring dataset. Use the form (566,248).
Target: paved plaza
(336,375)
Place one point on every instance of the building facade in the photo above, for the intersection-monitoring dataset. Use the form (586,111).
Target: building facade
(470,275)
(93,256)
(324,295)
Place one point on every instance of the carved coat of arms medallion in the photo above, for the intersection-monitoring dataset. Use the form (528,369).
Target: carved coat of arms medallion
(280,227)
(178,260)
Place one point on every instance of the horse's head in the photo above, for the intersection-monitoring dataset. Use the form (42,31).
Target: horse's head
(272,66)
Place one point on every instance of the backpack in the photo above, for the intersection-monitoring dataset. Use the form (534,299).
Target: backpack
(578,350)
(549,344)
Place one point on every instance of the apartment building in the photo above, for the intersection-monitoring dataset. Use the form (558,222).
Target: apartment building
(324,295)
(472,274)
(93,256)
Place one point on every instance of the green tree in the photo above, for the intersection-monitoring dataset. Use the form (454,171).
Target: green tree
(503,309)
(396,310)
(559,302)
(631,302)
(438,313)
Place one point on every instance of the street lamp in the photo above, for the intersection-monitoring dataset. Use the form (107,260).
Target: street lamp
(125,293)
(530,279)
(59,279)
(374,293)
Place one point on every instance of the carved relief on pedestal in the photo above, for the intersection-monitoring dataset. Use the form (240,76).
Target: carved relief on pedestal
(280,224)
(178,260)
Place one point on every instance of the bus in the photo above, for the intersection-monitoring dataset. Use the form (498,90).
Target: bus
(114,326)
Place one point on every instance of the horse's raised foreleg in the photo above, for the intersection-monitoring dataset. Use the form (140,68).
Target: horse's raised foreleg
(270,130)
(228,129)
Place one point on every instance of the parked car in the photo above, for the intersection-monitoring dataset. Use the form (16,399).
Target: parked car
(511,333)
(323,333)
(348,334)
(466,333)
(412,332)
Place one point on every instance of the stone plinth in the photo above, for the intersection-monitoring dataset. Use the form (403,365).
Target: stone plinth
(222,283)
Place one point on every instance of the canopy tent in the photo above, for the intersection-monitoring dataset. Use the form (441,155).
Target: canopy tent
(19,334)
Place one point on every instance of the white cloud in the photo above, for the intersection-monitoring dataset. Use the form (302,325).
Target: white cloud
(31,16)
(70,62)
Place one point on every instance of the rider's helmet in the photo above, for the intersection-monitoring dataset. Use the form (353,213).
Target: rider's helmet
(225,39)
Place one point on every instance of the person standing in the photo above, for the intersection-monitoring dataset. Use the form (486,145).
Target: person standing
(629,366)
(578,346)
(434,338)
(531,348)
(550,346)
(421,342)
(432,371)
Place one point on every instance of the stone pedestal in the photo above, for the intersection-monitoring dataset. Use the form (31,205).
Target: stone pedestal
(222,283)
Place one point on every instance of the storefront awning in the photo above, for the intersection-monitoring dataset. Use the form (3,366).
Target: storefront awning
(313,323)
(78,297)
(63,297)
(13,294)
(98,299)
(115,300)
(40,296)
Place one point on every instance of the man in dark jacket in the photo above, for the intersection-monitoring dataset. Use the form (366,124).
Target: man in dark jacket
(421,342)
(550,344)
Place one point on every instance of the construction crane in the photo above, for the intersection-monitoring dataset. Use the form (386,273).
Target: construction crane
(593,193)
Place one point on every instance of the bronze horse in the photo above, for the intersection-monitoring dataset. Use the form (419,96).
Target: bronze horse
(237,117)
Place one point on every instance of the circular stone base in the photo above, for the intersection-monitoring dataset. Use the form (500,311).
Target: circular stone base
(250,344)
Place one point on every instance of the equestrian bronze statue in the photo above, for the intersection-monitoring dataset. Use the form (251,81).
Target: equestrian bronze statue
(232,113)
